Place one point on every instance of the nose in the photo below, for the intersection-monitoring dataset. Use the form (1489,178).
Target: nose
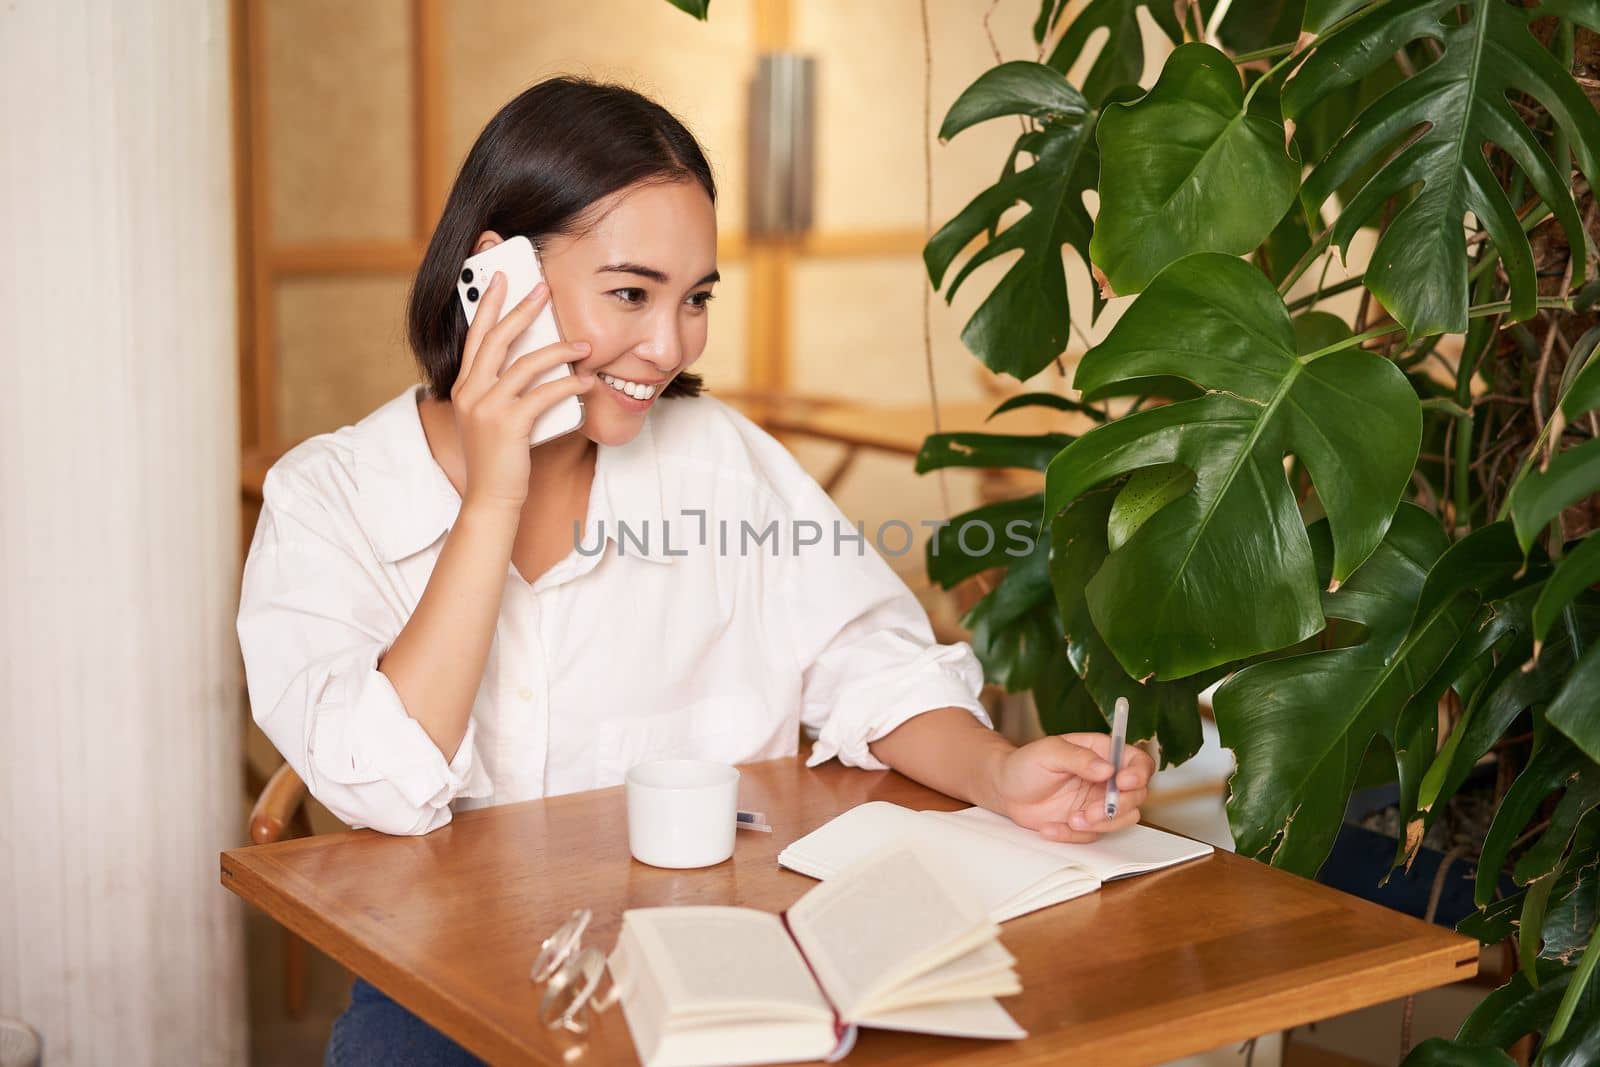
(663,348)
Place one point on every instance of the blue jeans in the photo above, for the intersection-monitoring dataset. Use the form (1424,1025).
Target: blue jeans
(374,1031)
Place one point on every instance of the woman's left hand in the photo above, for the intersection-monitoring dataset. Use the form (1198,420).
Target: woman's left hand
(1056,785)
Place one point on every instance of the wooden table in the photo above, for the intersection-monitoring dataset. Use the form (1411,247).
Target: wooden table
(1145,970)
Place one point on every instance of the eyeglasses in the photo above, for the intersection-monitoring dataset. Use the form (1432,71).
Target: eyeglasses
(571,976)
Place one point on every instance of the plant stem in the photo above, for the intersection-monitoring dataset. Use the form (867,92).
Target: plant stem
(1259,82)
(1264,53)
(1303,264)
(1477,311)
(1322,294)
(1480,335)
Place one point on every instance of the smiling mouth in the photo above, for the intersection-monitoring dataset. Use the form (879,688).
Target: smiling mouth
(636,390)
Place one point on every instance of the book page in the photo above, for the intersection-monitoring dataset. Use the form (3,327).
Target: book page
(987,971)
(1132,851)
(996,869)
(722,963)
(982,1017)
(883,922)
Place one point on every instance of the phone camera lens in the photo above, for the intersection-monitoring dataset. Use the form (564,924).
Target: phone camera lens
(472,294)
(466,275)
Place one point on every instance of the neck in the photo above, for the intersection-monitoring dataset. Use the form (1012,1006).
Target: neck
(556,466)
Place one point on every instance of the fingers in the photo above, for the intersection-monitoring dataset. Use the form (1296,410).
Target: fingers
(1093,821)
(490,342)
(1062,753)
(542,398)
(515,378)
(1137,764)
(1060,831)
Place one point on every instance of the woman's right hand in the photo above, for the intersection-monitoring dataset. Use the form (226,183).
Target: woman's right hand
(494,422)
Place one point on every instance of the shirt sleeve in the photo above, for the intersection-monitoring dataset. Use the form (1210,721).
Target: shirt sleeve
(865,647)
(312,627)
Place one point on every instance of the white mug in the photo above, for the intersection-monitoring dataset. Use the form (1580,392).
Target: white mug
(682,812)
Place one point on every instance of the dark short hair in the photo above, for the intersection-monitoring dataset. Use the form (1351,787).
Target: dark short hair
(537,169)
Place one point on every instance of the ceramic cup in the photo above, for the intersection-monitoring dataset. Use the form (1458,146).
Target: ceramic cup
(682,812)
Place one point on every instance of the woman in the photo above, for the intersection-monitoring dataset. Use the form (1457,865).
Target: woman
(435,616)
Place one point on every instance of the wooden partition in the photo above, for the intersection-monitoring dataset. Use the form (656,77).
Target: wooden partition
(352,120)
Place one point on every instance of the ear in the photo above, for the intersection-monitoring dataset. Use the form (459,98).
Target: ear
(486,240)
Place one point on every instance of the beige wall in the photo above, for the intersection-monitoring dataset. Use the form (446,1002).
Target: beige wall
(338,81)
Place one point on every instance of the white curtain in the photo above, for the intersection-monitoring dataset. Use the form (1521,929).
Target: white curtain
(120,728)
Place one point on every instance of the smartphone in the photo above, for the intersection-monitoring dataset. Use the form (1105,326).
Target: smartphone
(516,259)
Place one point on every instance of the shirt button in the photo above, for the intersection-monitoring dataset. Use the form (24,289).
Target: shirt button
(525,693)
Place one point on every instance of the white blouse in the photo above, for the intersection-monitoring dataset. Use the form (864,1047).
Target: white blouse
(694,618)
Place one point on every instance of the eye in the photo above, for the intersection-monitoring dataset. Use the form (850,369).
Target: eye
(704,299)
(638,294)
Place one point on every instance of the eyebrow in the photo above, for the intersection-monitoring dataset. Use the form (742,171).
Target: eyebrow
(654,275)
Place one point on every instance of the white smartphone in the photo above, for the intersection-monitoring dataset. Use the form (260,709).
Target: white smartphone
(516,259)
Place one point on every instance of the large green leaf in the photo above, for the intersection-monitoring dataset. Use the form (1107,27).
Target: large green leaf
(1121,57)
(1542,495)
(1184,169)
(1578,1047)
(1569,912)
(1576,807)
(1260,23)
(1513,687)
(1168,601)
(1320,14)
(1457,104)
(1517,1008)
(1046,400)
(1300,726)
(1015,631)
(1023,323)
(1577,572)
(1556,764)
(1580,382)
(989,450)
(700,9)
(1575,711)
(994,535)
(1168,711)
(1442,1052)
(1482,566)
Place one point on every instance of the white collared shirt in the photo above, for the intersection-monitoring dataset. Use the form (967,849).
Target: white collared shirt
(691,620)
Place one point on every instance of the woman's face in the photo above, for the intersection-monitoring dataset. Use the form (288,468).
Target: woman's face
(636,288)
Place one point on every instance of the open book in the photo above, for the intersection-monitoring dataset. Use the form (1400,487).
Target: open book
(885,943)
(1011,868)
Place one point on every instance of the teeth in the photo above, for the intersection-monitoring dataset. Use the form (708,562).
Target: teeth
(633,389)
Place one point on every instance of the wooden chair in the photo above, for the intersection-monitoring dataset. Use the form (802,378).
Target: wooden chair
(280,814)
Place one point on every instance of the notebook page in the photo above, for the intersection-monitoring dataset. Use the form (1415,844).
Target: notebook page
(1132,851)
(996,870)
(718,963)
(882,922)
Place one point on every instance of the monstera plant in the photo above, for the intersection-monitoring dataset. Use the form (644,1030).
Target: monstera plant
(1379,543)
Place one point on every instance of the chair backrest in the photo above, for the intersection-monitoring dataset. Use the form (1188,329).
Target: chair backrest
(281,798)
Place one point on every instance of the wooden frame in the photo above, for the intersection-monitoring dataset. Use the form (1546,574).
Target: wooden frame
(264,263)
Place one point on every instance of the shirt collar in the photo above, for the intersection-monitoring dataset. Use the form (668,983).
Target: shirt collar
(405,502)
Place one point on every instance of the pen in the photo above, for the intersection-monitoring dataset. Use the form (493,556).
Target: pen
(1119,732)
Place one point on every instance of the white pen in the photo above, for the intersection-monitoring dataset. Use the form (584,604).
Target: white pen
(1119,732)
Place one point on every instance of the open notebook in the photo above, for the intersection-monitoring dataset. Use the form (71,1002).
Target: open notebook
(1012,869)
(886,943)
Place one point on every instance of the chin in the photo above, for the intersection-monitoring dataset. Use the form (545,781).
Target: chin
(611,427)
